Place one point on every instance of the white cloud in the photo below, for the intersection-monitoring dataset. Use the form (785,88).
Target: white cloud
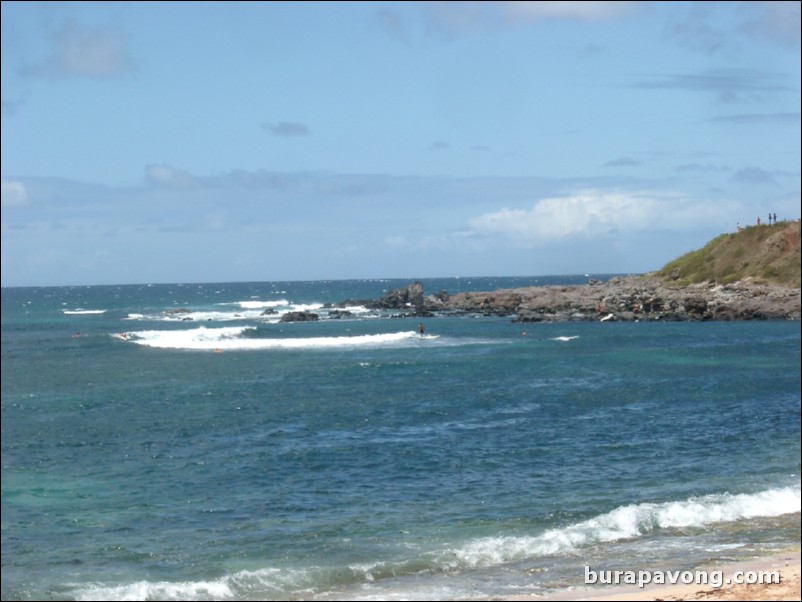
(167,176)
(594,213)
(580,11)
(455,17)
(84,52)
(397,241)
(14,193)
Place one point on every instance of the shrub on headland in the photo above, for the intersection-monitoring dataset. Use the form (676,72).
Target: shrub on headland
(768,254)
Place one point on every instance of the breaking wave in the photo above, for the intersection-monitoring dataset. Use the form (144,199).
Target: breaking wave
(234,338)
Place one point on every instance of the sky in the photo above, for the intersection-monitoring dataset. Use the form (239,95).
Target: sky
(159,142)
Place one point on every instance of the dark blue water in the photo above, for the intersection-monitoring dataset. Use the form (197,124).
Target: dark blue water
(176,442)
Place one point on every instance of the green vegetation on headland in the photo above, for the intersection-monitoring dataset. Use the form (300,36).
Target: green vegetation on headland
(767,254)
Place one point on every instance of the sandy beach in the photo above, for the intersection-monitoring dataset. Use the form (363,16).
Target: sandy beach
(787,565)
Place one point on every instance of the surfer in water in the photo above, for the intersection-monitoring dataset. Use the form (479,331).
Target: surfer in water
(421,329)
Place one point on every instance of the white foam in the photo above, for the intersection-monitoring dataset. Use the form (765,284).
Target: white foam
(631,521)
(83,312)
(280,303)
(565,338)
(145,590)
(240,310)
(356,309)
(260,304)
(214,316)
(231,338)
(242,585)
(205,316)
(305,306)
(625,522)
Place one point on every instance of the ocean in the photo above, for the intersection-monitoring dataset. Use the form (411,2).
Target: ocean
(179,442)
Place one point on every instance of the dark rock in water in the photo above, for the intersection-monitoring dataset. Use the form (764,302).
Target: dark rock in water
(410,296)
(338,314)
(299,316)
(269,312)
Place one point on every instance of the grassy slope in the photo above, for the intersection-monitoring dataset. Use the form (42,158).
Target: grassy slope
(769,254)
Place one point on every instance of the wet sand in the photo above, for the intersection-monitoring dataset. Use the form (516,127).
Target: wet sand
(788,587)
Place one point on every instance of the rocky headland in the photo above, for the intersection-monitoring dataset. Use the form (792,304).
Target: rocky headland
(750,275)
(630,298)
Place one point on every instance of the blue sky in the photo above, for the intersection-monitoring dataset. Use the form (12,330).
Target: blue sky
(202,142)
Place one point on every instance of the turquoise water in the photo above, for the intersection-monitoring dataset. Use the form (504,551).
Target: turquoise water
(216,453)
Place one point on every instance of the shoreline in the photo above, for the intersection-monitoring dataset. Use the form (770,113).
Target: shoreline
(787,564)
(620,299)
